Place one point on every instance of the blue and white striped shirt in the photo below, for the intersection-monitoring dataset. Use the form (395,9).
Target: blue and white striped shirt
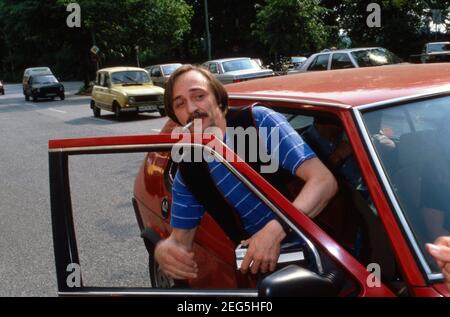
(187,212)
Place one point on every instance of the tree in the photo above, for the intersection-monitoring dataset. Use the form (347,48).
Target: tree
(291,26)
(401,22)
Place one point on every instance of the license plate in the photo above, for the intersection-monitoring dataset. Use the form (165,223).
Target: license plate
(147,108)
(51,95)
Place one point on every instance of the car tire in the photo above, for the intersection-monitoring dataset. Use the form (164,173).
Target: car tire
(157,278)
(117,113)
(96,110)
(62,96)
(34,98)
(27,98)
(162,111)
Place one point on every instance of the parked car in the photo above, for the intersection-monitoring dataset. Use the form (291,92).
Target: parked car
(435,52)
(376,225)
(348,58)
(126,90)
(234,70)
(160,73)
(2,88)
(39,82)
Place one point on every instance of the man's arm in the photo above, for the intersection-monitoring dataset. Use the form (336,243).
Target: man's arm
(320,187)
(264,246)
(174,254)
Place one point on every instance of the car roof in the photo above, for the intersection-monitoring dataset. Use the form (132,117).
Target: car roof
(222,60)
(438,43)
(120,69)
(348,87)
(347,50)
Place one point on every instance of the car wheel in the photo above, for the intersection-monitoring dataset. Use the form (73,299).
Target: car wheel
(117,113)
(157,277)
(34,98)
(62,96)
(27,98)
(162,111)
(96,110)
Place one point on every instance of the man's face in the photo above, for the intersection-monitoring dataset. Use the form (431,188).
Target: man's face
(194,99)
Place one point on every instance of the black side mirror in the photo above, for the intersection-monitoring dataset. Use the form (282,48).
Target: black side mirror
(295,281)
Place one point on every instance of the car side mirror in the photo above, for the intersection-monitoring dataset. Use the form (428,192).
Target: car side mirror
(296,281)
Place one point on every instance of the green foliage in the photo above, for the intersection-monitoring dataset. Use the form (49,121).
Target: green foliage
(34,32)
(291,26)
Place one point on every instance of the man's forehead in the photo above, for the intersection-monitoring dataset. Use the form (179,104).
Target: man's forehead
(190,81)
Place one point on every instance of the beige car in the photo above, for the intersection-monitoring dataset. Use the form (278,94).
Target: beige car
(126,90)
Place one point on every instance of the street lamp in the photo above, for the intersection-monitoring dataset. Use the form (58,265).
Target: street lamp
(208,35)
(137,55)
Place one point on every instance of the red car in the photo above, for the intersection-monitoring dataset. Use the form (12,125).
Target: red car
(394,187)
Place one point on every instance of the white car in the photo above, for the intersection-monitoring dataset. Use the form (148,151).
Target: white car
(348,58)
(234,70)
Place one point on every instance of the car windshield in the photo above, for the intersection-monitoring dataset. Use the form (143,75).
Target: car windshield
(375,57)
(413,144)
(438,47)
(130,77)
(45,79)
(169,69)
(240,64)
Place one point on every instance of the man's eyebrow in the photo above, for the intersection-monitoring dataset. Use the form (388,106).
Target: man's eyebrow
(194,89)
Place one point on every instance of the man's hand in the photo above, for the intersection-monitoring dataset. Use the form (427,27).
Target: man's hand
(440,250)
(263,248)
(174,259)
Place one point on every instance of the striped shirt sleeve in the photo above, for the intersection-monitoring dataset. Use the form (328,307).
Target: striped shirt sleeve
(186,211)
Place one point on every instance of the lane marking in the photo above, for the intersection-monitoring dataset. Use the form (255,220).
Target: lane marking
(60,111)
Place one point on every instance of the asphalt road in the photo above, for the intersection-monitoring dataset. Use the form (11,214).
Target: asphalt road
(111,252)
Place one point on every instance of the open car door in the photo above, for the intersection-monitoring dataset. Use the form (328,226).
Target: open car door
(328,270)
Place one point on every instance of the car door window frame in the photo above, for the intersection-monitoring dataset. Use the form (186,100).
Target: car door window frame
(62,220)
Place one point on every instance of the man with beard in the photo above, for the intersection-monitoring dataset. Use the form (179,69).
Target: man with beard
(194,93)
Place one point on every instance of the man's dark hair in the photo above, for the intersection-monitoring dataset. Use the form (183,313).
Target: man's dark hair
(216,86)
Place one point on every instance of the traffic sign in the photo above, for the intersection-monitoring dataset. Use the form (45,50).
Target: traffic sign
(95,50)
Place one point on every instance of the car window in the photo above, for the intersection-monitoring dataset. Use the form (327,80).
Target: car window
(417,164)
(213,68)
(44,79)
(101,79)
(239,64)
(375,57)
(341,61)
(169,69)
(107,80)
(438,47)
(320,63)
(130,77)
(156,71)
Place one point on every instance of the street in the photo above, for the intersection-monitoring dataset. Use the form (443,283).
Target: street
(111,251)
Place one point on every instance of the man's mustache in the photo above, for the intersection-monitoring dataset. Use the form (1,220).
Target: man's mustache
(197,115)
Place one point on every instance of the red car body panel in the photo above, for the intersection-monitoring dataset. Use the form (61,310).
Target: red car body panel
(352,87)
